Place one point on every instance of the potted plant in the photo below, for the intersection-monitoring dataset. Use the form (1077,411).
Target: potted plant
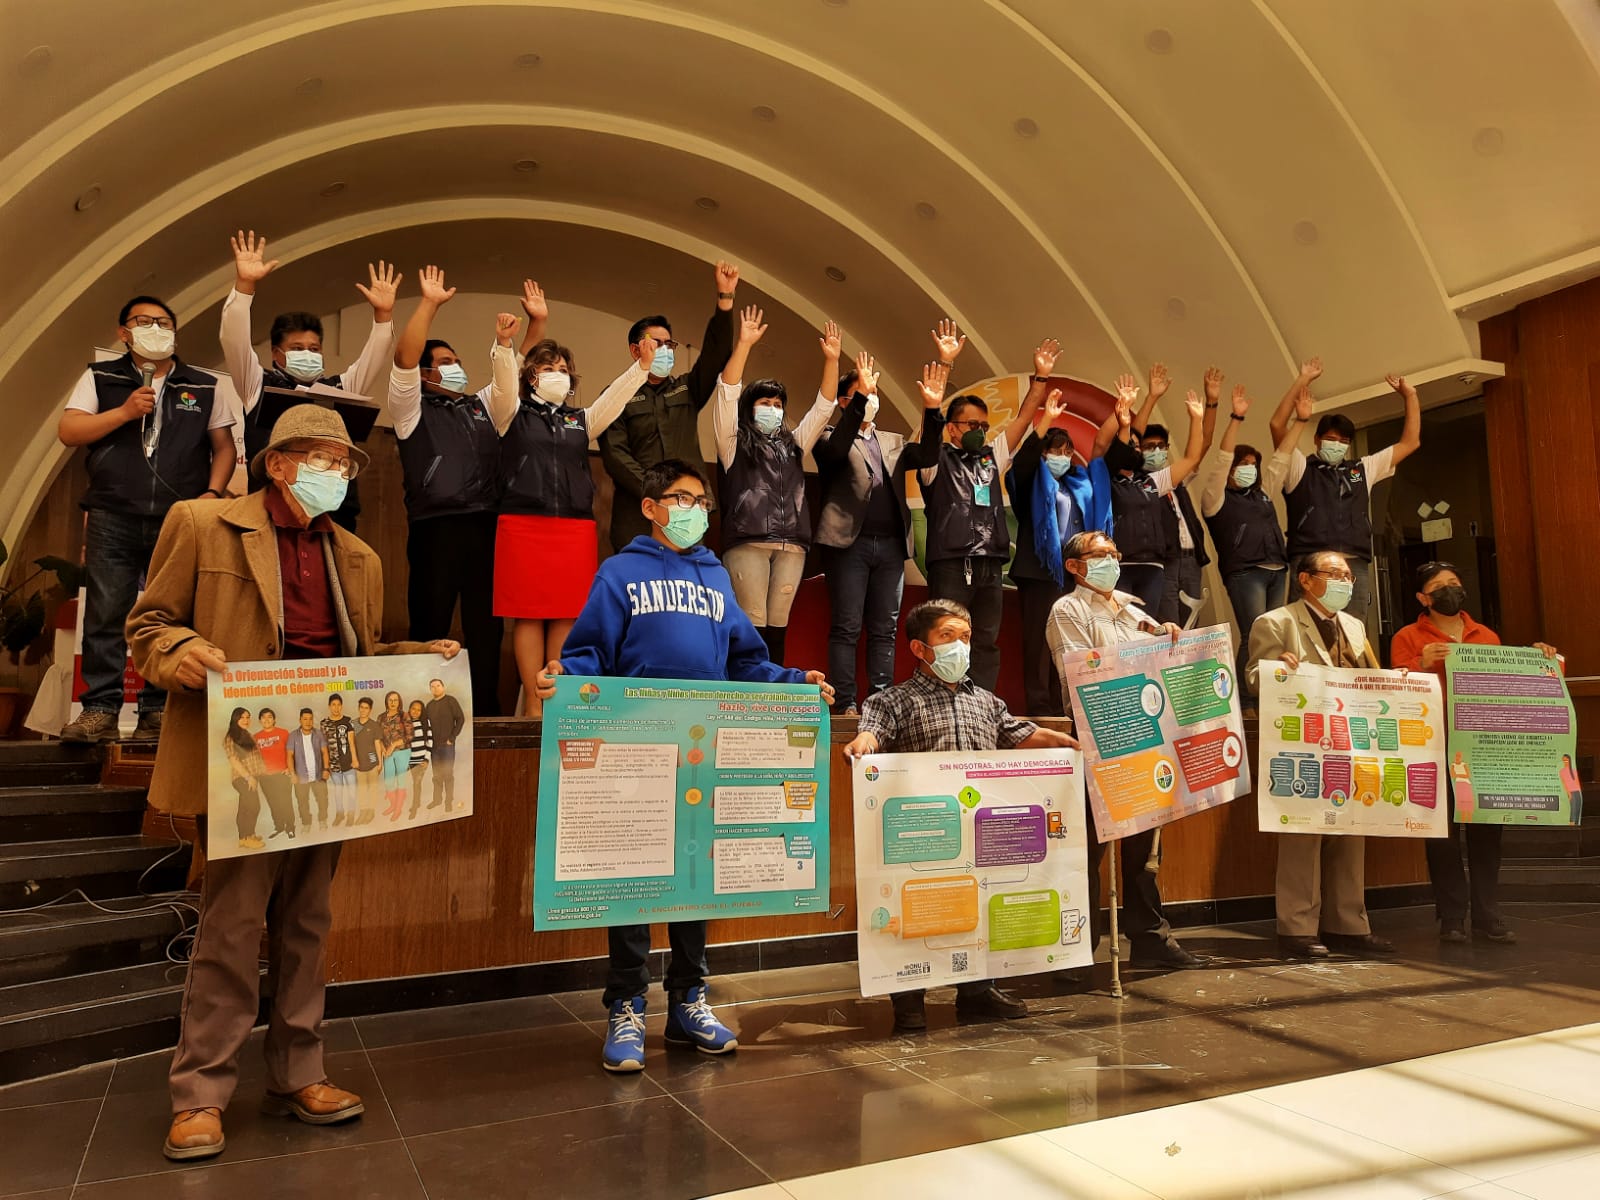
(24,615)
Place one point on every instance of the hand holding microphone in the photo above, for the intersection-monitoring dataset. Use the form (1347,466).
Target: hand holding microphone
(144,403)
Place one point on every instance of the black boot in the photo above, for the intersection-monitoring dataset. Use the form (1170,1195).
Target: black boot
(773,636)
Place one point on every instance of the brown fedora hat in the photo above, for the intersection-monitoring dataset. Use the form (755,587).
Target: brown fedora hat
(309,421)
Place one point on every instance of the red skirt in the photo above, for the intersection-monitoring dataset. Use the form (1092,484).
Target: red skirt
(543,566)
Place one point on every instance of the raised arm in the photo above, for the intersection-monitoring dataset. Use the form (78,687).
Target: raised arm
(364,375)
(1310,371)
(1213,382)
(408,349)
(504,399)
(250,267)
(948,342)
(533,303)
(1185,466)
(1044,363)
(810,426)
(609,404)
(1119,425)
(725,416)
(924,452)
(1160,381)
(1277,466)
(1216,479)
(1411,430)
(720,339)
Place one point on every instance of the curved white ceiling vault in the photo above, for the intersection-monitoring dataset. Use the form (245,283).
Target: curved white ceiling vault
(1245,181)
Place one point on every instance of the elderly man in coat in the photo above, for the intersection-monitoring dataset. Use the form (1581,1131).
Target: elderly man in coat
(267,576)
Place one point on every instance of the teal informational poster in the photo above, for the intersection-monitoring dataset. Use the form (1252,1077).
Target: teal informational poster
(678,800)
(1513,737)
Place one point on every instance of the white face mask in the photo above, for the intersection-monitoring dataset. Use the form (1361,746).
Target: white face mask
(552,386)
(152,341)
(454,377)
(304,365)
(871,410)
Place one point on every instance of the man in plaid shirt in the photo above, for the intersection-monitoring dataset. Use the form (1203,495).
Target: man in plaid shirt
(939,708)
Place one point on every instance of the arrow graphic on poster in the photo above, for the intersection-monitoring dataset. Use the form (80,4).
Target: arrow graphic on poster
(986,881)
(1383,707)
(1300,701)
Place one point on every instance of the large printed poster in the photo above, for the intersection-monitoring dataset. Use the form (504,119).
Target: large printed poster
(306,751)
(1351,751)
(1513,737)
(672,800)
(969,866)
(1160,728)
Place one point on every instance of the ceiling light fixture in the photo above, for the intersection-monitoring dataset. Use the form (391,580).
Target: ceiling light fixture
(1158,41)
(308,88)
(926,211)
(87,201)
(1177,309)
(334,188)
(1026,127)
(1489,141)
(37,59)
(835,274)
(707,203)
(764,112)
(1306,233)
(525,165)
(528,60)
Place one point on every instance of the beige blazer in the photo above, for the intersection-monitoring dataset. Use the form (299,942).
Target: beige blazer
(1292,630)
(214,576)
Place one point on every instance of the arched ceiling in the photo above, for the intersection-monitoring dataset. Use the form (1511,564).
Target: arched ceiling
(1241,181)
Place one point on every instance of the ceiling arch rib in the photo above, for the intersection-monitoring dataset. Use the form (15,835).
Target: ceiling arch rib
(25,164)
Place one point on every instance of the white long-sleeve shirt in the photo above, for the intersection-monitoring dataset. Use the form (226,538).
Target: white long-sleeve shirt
(609,404)
(361,377)
(725,421)
(499,397)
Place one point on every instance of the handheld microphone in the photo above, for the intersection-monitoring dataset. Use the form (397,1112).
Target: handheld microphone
(147,373)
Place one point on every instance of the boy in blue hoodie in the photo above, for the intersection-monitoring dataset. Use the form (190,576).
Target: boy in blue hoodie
(663,608)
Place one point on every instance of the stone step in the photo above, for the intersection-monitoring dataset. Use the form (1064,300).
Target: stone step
(35,814)
(32,873)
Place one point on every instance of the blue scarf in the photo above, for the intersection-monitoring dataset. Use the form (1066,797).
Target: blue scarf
(1089,489)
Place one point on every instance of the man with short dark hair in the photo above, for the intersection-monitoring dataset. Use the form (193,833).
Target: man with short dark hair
(369,763)
(276,783)
(156,435)
(446,720)
(339,760)
(663,420)
(309,758)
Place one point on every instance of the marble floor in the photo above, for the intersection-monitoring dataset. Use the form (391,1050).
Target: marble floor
(1249,1078)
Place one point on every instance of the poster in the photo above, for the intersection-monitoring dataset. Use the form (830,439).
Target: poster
(969,866)
(676,800)
(1513,737)
(1160,728)
(1351,751)
(306,751)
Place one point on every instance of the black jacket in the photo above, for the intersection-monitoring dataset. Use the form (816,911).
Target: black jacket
(847,475)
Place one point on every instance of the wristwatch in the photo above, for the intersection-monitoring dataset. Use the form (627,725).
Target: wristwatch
(1041,378)
(1235,416)
(724,295)
(1214,405)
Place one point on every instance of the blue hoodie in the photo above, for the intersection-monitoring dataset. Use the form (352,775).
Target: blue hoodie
(656,614)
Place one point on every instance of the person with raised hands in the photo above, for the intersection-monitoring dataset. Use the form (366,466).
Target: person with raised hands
(296,341)
(766,524)
(546,548)
(450,463)
(969,539)
(865,527)
(1186,539)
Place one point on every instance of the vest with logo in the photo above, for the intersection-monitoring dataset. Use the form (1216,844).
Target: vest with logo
(1328,510)
(965,507)
(121,479)
(450,463)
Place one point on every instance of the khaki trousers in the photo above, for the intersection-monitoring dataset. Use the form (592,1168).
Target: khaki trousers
(289,893)
(1321,884)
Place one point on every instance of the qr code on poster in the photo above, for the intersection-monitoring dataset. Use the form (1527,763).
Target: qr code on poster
(958,962)
(1330,818)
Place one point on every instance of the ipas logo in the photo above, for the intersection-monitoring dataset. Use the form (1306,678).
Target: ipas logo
(1091,660)
(187,402)
(589,692)
(872,774)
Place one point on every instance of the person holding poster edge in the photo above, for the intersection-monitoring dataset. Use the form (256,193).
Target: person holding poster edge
(1424,645)
(1321,881)
(940,708)
(281,582)
(664,608)
(1095,614)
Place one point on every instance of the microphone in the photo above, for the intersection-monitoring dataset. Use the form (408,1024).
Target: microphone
(147,373)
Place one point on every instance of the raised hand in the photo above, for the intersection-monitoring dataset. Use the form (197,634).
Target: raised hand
(1194,404)
(1213,381)
(727,277)
(383,281)
(533,301)
(1311,369)
(750,326)
(1125,410)
(1241,402)
(1160,381)
(1055,406)
(830,342)
(934,378)
(250,262)
(1399,384)
(1127,389)
(1044,358)
(1302,405)
(433,289)
(867,374)
(505,327)
(948,340)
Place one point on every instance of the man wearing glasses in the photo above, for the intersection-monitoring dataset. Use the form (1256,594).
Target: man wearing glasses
(156,435)
(662,421)
(1321,888)
(281,581)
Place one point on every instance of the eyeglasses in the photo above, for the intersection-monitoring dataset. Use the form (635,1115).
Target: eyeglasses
(687,500)
(667,342)
(1345,576)
(144,322)
(983,425)
(321,460)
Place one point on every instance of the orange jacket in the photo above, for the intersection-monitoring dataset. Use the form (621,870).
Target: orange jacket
(1406,648)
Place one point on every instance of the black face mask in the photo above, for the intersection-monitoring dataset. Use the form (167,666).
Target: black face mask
(1448,601)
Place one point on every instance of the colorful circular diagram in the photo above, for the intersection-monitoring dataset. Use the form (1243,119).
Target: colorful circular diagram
(1339,797)
(696,756)
(1165,775)
(589,692)
(697,732)
(1232,750)
(1152,699)
(872,774)
(693,796)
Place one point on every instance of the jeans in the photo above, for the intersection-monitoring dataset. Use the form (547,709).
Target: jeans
(1360,598)
(865,583)
(444,777)
(629,972)
(343,786)
(1148,581)
(277,789)
(453,558)
(304,791)
(974,582)
(1182,574)
(116,553)
(1040,681)
(1252,591)
(1450,879)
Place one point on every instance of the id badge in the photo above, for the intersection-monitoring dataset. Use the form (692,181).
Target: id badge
(980,495)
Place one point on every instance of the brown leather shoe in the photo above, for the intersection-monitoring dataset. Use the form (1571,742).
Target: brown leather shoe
(315,1104)
(195,1133)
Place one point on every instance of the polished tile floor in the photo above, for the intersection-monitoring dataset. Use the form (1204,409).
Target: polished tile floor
(507,1099)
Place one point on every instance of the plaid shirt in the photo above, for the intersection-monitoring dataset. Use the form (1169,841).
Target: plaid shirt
(924,713)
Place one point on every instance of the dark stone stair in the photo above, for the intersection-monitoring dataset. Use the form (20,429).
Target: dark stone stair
(56,1024)
(32,873)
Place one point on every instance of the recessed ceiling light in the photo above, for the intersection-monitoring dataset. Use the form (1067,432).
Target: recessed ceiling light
(835,274)
(707,203)
(926,211)
(307,88)
(764,112)
(1177,309)
(334,188)
(650,289)
(1489,141)
(525,165)
(87,201)
(150,277)
(1026,127)
(527,60)
(37,59)
(1306,233)
(1158,41)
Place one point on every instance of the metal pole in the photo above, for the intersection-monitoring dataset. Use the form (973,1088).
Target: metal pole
(1112,852)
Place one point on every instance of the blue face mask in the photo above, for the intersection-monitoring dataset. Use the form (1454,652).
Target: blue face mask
(1102,573)
(1154,460)
(1245,476)
(318,492)
(454,377)
(768,419)
(661,365)
(1337,596)
(1058,464)
(1332,452)
(951,660)
(686,526)
(304,365)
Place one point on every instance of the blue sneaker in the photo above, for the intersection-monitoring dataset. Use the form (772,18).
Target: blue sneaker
(624,1048)
(690,1022)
